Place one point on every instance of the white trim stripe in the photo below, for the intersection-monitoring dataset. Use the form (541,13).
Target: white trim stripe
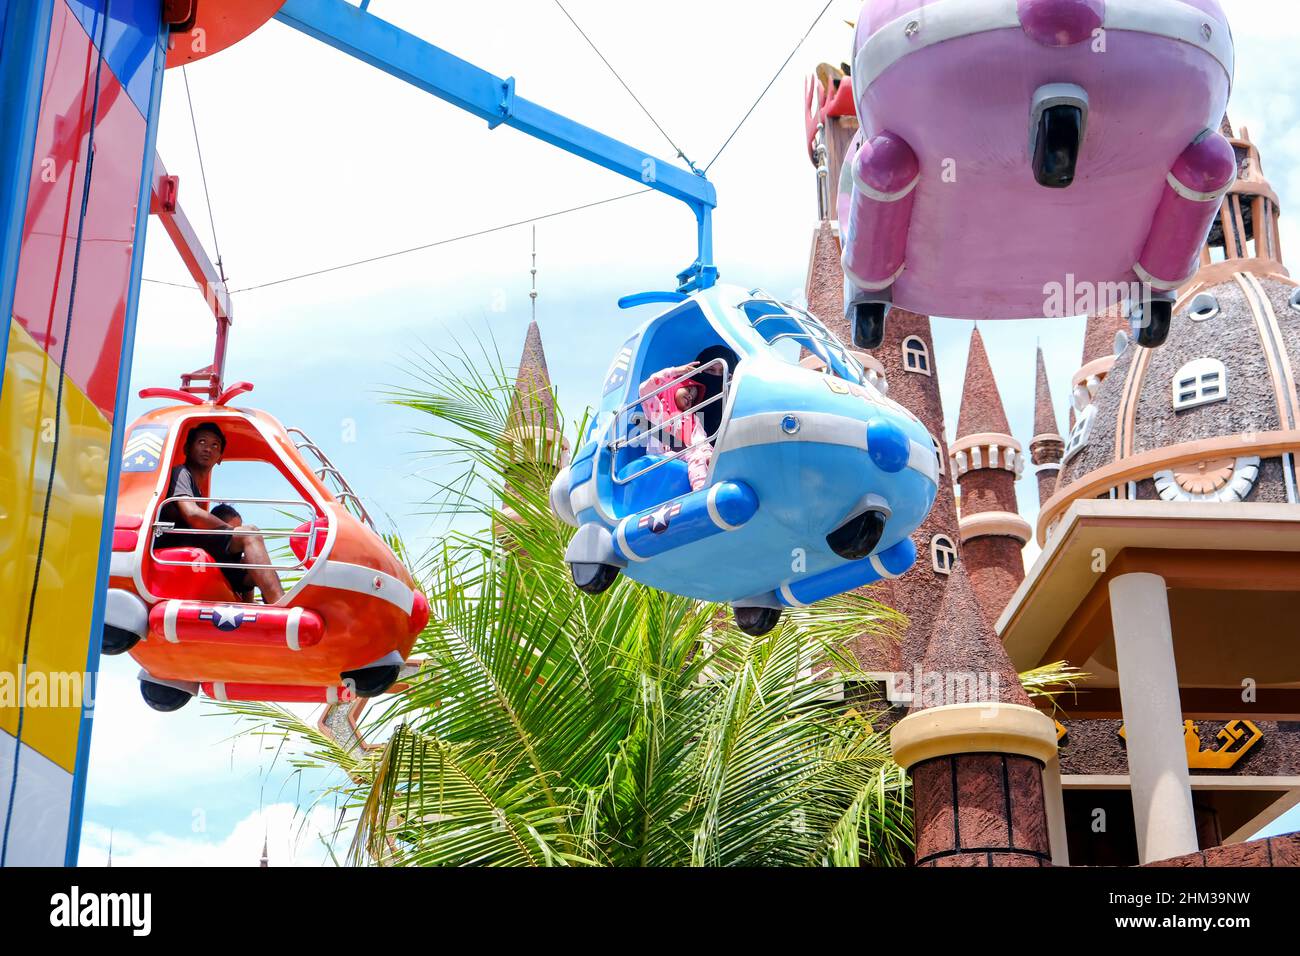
(169,621)
(1191,194)
(711,501)
(358,578)
(943,20)
(583,497)
(121,564)
(876,194)
(291,628)
(790,598)
(863,284)
(1164,285)
(620,533)
(922,459)
(219,690)
(880,567)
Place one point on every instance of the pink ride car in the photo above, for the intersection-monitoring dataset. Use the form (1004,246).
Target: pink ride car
(1012,148)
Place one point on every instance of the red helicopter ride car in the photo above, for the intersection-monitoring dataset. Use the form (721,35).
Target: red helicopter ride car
(342,630)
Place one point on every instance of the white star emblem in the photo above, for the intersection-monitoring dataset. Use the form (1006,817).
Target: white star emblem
(659,519)
(228,617)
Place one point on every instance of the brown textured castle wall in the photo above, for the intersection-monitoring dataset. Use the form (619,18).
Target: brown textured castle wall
(1278,851)
(1231,338)
(1046,484)
(825,286)
(988,489)
(980,810)
(995,566)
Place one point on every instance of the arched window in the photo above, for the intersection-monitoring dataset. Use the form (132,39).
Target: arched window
(1200,383)
(916,357)
(943,554)
(1079,434)
(938,453)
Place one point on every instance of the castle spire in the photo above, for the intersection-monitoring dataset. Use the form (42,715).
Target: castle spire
(981,405)
(987,462)
(975,747)
(533,404)
(532,436)
(1047,446)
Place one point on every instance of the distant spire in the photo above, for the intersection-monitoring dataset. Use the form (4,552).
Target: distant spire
(1046,447)
(265,857)
(1044,413)
(110,849)
(533,402)
(981,405)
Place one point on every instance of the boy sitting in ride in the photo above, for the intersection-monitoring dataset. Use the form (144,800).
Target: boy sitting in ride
(204,446)
(664,399)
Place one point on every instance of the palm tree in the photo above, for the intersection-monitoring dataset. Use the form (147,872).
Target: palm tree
(633,729)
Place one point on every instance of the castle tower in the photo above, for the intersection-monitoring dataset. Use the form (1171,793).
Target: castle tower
(1047,445)
(986,462)
(975,747)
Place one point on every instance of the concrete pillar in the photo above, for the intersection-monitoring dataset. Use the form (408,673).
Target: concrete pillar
(1054,796)
(1148,688)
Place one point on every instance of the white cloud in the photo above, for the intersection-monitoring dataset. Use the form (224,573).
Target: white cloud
(293,838)
(137,750)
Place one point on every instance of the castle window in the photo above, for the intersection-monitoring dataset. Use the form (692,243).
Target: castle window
(1079,434)
(938,452)
(943,555)
(1204,306)
(1295,300)
(1200,383)
(916,357)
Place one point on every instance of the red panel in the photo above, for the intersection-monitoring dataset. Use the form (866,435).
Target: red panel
(220,25)
(54,201)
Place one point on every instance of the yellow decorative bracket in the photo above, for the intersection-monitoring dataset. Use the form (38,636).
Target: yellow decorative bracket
(1235,739)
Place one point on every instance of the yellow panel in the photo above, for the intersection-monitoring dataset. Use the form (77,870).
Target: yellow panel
(60,631)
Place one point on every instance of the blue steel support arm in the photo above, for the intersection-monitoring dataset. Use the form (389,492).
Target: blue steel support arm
(357,33)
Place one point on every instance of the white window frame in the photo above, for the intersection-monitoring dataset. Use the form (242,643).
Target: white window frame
(1079,434)
(942,543)
(916,356)
(1202,381)
(938,453)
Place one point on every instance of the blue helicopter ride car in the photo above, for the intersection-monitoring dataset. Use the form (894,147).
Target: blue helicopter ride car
(816,481)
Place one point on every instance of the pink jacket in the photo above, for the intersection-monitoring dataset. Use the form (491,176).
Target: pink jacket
(660,405)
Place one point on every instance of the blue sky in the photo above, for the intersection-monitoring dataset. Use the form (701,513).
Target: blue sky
(313,160)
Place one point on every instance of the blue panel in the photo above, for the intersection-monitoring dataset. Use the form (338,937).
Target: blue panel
(132,31)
